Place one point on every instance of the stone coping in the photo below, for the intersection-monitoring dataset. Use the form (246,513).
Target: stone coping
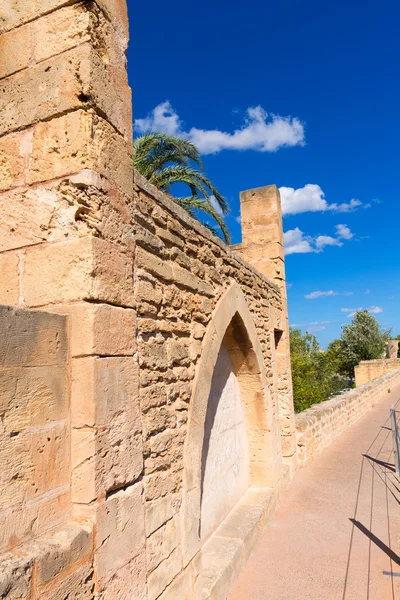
(317,411)
(381,361)
(224,556)
(321,424)
(181,214)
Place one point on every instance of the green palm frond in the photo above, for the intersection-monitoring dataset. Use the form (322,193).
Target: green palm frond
(165,159)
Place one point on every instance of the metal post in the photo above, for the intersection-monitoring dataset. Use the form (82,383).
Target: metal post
(395,434)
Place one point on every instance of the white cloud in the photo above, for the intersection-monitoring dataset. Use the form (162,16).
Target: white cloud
(375,310)
(296,242)
(367,291)
(344,232)
(326,240)
(313,323)
(318,294)
(260,131)
(311,198)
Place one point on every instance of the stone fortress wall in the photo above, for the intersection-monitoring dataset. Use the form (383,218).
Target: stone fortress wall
(368,370)
(321,424)
(119,306)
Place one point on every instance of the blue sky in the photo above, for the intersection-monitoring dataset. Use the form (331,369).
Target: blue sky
(302,94)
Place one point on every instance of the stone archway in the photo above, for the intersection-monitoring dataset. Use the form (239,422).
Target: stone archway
(231,340)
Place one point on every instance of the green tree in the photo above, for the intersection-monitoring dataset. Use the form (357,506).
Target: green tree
(361,340)
(314,373)
(165,160)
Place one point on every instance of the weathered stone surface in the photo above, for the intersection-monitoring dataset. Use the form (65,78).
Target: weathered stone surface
(162,576)
(66,546)
(120,532)
(15,51)
(79,140)
(84,269)
(15,576)
(319,426)
(14,158)
(32,338)
(100,329)
(63,83)
(9,278)
(78,586)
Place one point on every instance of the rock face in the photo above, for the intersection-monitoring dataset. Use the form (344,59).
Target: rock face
(104,407)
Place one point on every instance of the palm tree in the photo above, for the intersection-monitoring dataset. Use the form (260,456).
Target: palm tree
(165,159)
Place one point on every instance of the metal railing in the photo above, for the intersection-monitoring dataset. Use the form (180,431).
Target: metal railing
(396,439)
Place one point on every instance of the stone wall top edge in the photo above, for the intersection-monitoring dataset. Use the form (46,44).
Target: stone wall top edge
(178,212)
(317,411)
(39,315)
(379,361)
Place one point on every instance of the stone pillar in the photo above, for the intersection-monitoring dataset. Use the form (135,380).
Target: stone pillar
(392,349)
(262,246)
(66,246)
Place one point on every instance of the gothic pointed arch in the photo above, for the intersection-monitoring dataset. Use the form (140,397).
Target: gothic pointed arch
(232,328)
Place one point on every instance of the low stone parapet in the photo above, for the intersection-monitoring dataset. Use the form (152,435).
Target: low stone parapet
(368,370)
(321,424)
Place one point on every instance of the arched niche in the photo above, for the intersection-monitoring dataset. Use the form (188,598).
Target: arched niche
(231,329)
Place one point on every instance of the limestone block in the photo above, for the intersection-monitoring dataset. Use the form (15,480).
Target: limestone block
(181,587)
(9,278)
(32,338)
(80,140)
(63,548)
(83,450)
(61,30)
(50,458)
(15,50)
(120,532)
(62,83)
(104,394)
(77,586)
(161,543)
(108,386)
(17,525)
(14,156)
(16,12)
(32,396)
(15,576)
(128,583)
(82,269)
(164,574)
(158,513)
(100,329)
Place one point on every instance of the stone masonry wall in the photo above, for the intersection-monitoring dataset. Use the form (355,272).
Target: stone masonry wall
(367,370)
(321,424)
(82,235)
(43,552)
(181,271)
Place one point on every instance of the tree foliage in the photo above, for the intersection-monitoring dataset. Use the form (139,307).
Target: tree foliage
(165,160)
(314,373)
(362,339)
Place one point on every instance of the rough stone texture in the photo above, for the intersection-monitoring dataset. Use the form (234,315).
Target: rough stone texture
(34,433)
(262,246)
(56,566)
(150,295)
(368,370)
(392,348)
(321,424)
